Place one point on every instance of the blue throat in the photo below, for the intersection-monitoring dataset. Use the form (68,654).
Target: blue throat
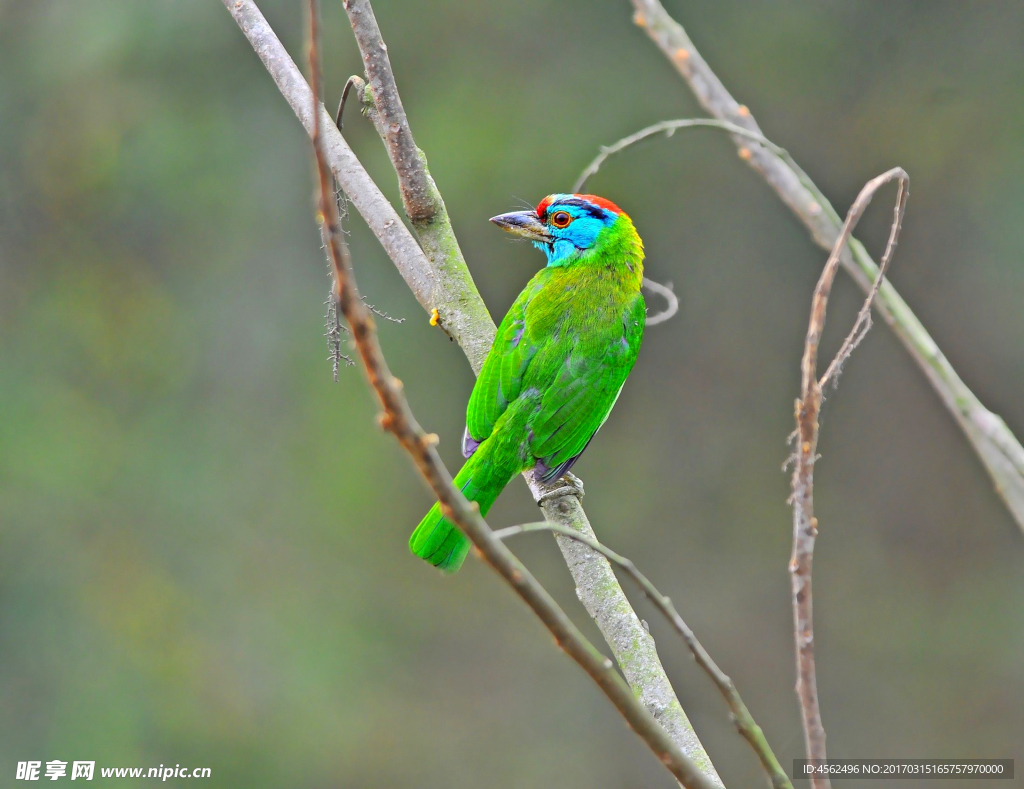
(560,252)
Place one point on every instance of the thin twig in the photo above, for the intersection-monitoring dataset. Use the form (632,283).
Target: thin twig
(808,407)
(668,128)
(397,418)
(828,275)
(744,721)
(381,314)
(863,322)
(671,299)
(995,444)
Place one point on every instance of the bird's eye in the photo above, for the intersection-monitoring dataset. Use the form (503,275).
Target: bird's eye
(561,219)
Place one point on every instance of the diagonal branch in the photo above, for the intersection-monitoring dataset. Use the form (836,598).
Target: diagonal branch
(808,407)
(460,310)
(632,645)
(997,447)
(419,197)
(741,716)
(397,418)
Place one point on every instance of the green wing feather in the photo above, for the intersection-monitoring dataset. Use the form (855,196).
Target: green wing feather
(576,372)
(577,402)
(501,379)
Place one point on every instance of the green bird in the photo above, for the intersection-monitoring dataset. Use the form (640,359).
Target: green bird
(558,362)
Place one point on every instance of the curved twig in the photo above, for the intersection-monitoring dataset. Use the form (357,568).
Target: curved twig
(666,292)
(863,322)
(828,275)
(351,82)
(668,128)
(744,721)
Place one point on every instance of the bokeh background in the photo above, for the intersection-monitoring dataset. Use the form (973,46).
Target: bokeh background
(204,552)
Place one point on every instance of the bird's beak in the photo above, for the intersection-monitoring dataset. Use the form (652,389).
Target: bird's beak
(524,224)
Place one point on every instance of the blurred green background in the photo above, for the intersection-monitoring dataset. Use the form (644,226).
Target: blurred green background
(204,554)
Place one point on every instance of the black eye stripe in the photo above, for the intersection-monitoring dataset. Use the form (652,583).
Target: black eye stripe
(590,208)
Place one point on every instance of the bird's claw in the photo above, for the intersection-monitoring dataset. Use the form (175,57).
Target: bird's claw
(567,485)
(573,481)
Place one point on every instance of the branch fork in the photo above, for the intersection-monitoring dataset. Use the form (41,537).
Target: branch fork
(997,447)
(808,408)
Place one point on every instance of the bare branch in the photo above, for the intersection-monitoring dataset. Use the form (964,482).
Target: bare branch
(455,296)
(808,407)
(666,292)
(397,418)
(863,322)
(742,718)
(828,275)
(999,450)
(417,195)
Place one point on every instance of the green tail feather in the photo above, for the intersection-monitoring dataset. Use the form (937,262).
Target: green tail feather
(437,539)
